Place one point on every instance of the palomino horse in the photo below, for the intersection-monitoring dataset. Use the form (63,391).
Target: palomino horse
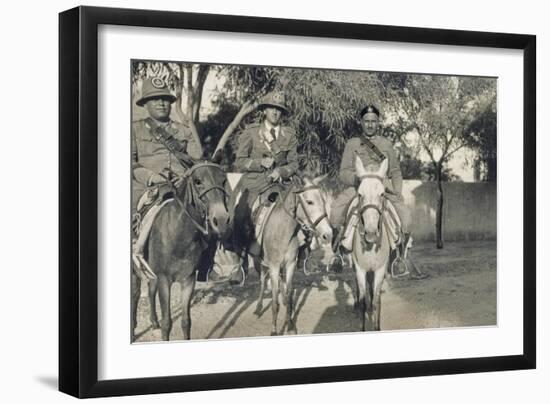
(371,247)
(301,208)
(180,241)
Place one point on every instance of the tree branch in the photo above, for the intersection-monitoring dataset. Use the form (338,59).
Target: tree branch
(246,108)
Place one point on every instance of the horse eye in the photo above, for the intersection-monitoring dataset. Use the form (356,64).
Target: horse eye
(309,202)
(197,182)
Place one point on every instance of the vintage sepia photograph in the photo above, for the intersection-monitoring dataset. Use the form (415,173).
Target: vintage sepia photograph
(270,201)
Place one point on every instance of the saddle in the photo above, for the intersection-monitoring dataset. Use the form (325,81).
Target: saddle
(390,222)
(261,211)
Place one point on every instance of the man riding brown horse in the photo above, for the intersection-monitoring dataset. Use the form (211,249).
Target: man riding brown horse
(160,148)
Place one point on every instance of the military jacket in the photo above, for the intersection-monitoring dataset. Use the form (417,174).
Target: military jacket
(254,146)
(150,156)
(357,146)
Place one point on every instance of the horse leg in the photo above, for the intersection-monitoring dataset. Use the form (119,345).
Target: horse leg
(369,305)
(136,292)
(274,274)
(187,287)
(263,279)
(379,275)
(288,297)
(361,279)
(152,289)
(164,297)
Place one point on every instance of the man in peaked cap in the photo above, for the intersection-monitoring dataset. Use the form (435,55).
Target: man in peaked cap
(372,149)
(159,144)
(268,158)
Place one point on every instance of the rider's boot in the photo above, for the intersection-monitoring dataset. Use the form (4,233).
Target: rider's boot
(336,262)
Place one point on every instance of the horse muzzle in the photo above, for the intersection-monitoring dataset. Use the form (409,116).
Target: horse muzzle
(325,236)
(371,236)
(219,221)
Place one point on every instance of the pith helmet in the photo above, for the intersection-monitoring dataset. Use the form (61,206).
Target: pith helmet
(154,87)
(274,99)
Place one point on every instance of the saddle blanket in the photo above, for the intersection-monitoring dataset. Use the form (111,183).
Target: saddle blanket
(260,214)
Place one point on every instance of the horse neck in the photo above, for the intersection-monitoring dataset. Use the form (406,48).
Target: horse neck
(285,223)
(180,222)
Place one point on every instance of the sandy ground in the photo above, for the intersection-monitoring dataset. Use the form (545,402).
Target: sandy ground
(461,291)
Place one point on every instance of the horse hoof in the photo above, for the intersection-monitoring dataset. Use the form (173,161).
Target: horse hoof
(155,325)
(258,311)
(273,333)
(292,331)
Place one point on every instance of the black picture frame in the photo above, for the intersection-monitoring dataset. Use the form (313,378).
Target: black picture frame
(78,196)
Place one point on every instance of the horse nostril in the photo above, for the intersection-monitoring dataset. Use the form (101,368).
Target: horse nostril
(215,221)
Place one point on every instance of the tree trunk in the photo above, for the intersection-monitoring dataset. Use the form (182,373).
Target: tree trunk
(246,108)
(190,104)
(439,210)
(180,115)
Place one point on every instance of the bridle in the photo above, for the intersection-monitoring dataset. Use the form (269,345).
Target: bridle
(194,168)
(192,192)
(310,225)
(379,208)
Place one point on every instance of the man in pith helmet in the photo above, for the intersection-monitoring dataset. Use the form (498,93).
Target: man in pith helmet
(268,158)
(160,147)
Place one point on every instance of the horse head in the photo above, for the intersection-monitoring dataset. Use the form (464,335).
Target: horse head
(205,191)
(371,198)
(311,209)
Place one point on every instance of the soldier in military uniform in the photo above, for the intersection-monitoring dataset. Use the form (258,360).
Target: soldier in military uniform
(267,157)
(372,149)
(267,152)
(159,146)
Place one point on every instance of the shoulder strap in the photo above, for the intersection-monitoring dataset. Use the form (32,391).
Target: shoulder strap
(172,145)
(374,148)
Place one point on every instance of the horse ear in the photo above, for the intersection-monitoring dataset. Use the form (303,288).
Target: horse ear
(318,180)
(217,157)
(383,170)
(359,167)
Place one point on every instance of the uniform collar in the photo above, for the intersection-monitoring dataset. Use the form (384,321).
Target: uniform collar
(268,128)
(166,124)
(363,137)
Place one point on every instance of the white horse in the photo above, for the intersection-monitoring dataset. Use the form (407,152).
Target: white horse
(303,207)
(371,247)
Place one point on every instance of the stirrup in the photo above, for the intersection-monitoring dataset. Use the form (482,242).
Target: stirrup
(142,268)
(307,272)
(335,258)
(394,274)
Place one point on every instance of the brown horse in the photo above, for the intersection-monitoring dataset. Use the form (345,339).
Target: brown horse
(371,247)
(302,207)
(180,241)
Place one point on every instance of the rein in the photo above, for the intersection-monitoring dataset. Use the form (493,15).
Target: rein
(311,225)
(192,193)
(380,209)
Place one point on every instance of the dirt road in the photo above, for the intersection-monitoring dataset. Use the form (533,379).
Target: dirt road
(461,291)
